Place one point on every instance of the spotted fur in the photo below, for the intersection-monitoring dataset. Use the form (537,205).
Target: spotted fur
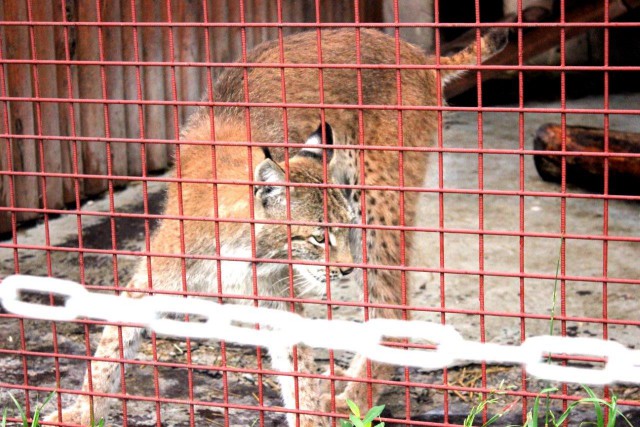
(343,89)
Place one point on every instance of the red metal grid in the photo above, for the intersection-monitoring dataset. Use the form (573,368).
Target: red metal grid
(42,100)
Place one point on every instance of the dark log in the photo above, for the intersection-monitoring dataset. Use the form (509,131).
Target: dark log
(588,171)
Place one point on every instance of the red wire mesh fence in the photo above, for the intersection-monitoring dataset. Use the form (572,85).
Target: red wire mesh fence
(509,212)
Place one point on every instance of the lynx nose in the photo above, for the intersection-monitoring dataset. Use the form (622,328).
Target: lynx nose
(346,270)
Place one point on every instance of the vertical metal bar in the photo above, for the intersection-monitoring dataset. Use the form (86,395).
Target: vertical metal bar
(180,201)
(441,234)
(523,323)
(402,219)
(133,11)
(41,40)
(14,13)
(605,202)
(563,186)
(363,203)
(254,273)
(480,203)
(216,206)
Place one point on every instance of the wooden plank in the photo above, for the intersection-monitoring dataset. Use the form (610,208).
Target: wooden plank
(47,113)
(219,37)
(534,42)
(24,152)
(251,32)
(5,199)
(114,76)
(170,54)
(234,34)
(63,76)
(190,48)
(132,112)
(588,171)
(261,15)
(412,11)
(272,16)
(154,85)
(293,11)
(91,115)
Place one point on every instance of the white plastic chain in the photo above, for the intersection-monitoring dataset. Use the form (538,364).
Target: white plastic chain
(285,329)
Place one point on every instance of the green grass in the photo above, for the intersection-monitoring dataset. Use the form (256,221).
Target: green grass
(356,420)
(35,421)
(597,403)
(550,419)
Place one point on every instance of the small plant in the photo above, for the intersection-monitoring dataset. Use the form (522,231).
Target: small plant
(36,416)
(598,404)
(35,422)
(367,421)
(491,400)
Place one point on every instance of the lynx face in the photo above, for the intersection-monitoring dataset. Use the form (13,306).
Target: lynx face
(306,204)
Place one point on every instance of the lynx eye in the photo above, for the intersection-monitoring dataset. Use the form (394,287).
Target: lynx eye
(317,240)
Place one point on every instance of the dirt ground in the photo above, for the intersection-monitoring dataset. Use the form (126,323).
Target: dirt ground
(501,254)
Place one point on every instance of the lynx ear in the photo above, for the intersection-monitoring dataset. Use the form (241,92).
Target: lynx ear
(313,148)
(268,171)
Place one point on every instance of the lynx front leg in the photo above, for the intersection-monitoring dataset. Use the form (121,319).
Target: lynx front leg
(308,388)
(365,394)
(105,378)
(384,247)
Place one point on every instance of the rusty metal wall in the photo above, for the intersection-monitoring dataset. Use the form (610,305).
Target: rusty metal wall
(66,56)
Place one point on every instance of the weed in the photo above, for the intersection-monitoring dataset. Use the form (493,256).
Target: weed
(36,416)
(598,405)
(35,422)
(367,421)
(491,400)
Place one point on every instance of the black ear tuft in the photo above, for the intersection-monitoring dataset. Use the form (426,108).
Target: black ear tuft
(313,142)
(267,153)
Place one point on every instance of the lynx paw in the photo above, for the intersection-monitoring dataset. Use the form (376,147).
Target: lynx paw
(339,385)
(70,416)
(341,406)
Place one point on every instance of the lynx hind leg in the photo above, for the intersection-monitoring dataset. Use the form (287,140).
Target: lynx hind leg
(308,388)
(105,376)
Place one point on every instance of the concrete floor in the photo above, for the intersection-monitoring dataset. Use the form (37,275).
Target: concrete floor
(501,256)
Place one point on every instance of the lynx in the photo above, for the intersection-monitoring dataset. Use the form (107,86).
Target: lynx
(352,101)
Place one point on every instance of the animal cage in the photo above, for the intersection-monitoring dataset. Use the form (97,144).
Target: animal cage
(500,208)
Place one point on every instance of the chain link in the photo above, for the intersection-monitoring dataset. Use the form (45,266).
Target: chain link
(271,328)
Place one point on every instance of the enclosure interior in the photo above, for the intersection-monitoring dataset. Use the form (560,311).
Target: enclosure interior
(93,95)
